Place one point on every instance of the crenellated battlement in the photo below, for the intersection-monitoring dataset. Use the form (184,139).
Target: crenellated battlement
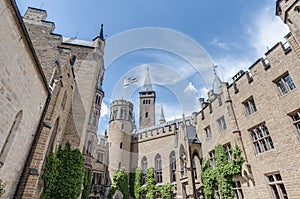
(160,130)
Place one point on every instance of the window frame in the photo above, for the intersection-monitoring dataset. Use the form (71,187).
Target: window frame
(283,85)
(276,185)
(208,134)
(221,124)
(250,106)
(261,139)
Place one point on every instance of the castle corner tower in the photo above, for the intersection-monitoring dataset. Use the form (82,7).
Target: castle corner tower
(147,104)
(120,128)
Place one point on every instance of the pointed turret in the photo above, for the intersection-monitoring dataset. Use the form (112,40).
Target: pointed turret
(147,83)
(101,33)
(217,83)
(162,116)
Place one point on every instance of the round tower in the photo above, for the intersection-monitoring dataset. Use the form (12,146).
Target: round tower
(119,138)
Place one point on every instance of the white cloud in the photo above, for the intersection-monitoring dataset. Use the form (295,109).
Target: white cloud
(220,44)
(265,30)
(104,109)
(190,88)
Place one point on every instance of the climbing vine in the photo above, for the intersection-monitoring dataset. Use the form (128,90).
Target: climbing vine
(222,174)
(87,184)
(150,188)
(63,176)
(2,188)
(120,182)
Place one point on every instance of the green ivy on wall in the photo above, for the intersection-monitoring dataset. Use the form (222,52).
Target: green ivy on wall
(150,188)
(222,174)
(63,174)
(2,188)
(120,182)
(87,184)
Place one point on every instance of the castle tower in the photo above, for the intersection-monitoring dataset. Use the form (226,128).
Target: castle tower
(120,128)
(289,12)
(147,104)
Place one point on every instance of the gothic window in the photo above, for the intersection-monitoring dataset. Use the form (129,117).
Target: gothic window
(194,167)
(221,124)
(144,170)
(173,167)
(158,169)
(261,139)
(10,137)
(121,145)
(285,84)
(276,186)
(250,106)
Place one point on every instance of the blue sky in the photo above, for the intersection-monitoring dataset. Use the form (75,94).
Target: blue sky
(234,34)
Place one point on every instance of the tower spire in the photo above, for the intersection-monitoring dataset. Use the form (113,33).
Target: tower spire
(217,83)
(147,84)
(162,116)
(101,33)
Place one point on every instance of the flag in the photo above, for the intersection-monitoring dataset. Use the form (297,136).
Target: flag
(129,81)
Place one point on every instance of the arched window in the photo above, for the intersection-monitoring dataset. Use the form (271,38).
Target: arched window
(158,169)
(143,101)
(144,170)
(121,145)
(89,147)
(149,101)
(194,167)
(146,115)
(182,155)
(172,167)
(10,137)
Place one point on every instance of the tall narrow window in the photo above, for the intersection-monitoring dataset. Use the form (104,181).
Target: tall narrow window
(173,167)
(221,124)
(237,190)
(158,169)
(146,115)
(89,147)
(212,158)
(277,187)
(121,145)
(207,133)
(194,167)
(296,120)
(285,84)
(100,156)
(250,106)
(183,169)
(261,139)
(227,149)
(144,170)
(10,137)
